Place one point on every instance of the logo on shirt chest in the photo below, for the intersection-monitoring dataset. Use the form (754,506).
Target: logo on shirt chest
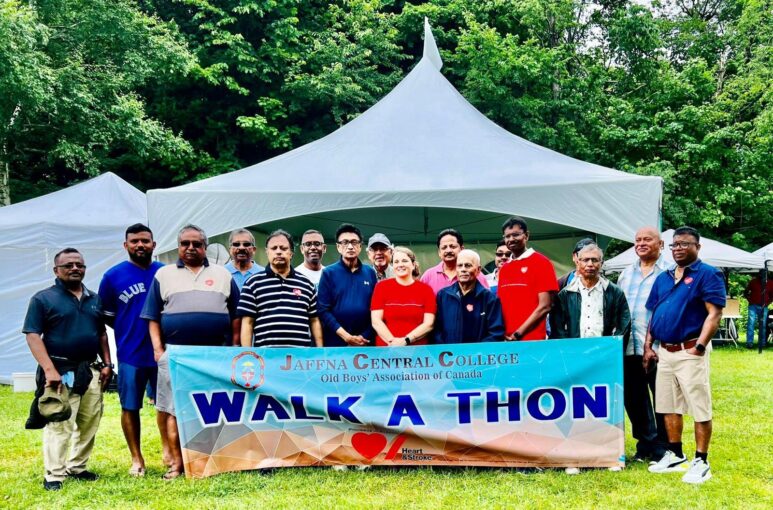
(470,308)
(524,269)
(297,292)
(209,282)
(688,280)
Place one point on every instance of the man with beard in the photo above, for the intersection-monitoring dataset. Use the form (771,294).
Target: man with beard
(241,245)
(65,332)
(467,312)
(313,249)
(449,244)
(380,255)
(190,303)
(123,291)
(278,306)
(345,292)
(526,285)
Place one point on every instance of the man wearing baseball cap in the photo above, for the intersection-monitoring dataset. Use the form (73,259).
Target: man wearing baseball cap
(380,255)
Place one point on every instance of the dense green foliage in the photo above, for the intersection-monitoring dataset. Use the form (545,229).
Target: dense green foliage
(167,91)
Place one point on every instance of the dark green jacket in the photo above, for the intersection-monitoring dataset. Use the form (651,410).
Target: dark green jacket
(565,314)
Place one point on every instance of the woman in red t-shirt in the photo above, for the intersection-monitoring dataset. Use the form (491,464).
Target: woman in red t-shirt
(402,309)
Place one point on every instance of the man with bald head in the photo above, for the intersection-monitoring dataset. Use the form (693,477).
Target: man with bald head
(636,281)
(468,312)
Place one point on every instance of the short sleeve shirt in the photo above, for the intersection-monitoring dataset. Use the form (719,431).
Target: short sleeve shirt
(679,310)
(193,308)
(123,291)
(70,328)
(520,282)
(281,307)
(404,306)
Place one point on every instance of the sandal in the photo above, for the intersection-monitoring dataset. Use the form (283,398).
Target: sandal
(137,471)
(172,474)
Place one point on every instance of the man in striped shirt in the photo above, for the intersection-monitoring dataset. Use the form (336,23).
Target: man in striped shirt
(636,281)
(279,306)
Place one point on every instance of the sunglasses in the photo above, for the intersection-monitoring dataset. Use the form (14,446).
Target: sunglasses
(195,244)
(243,244)
(72,265)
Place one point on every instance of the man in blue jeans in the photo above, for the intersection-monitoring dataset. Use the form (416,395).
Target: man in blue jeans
(758,310)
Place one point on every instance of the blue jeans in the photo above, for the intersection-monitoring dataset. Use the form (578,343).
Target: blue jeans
(756,313)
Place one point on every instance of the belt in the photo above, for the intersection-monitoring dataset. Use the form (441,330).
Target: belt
(687,344)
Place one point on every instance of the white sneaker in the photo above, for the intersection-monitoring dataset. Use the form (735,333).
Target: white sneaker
(615,469)
(572,471)
(670,463)
(698,472)
(340,467)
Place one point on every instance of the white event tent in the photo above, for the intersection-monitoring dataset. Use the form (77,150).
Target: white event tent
(766,252)
(91,216)
(420,160)
(712,252)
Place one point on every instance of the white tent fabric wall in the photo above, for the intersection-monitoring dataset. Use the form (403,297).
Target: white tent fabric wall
(766,252)
(712,252)
(91,216)
(422,150)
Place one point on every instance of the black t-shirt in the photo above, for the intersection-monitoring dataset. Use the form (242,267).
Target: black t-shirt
(70,328)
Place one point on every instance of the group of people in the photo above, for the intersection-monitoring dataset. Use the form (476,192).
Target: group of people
(666,316)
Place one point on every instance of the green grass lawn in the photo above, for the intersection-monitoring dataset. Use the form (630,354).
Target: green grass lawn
(741,458)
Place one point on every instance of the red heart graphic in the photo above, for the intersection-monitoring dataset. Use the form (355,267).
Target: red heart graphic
(369,445)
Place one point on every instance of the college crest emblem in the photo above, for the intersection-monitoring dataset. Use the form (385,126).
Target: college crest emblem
(248,370)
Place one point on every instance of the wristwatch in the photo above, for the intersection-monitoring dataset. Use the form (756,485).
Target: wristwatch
(107,365)
(407,340)
(517,335)
(700,348)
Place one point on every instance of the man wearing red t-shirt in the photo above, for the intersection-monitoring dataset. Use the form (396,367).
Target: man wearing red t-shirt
(526,285)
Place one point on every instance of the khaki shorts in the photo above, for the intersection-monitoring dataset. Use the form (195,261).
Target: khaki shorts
(164,396)
(682,384)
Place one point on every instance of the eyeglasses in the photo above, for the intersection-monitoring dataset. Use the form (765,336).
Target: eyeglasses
(514,235)
(195,244)
(345,242)
(72,265)
(590,260)
(244,244)
(503,254)
(312,244)
(683,245)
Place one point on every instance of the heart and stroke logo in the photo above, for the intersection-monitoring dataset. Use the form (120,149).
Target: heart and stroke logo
(369,445)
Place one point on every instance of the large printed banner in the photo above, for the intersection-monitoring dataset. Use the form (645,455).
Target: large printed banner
(518,404)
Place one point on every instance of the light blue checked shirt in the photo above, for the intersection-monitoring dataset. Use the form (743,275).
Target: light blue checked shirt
(636,288)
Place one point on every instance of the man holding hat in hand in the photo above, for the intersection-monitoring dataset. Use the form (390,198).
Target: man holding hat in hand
(66,331)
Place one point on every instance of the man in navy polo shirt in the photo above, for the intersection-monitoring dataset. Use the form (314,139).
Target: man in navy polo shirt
(123,290)
(686,304)
(345,290)
(65,331)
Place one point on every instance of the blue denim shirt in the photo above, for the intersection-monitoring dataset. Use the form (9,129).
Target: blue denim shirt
(679,310)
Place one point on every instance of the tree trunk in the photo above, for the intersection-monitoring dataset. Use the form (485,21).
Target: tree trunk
(5,169)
